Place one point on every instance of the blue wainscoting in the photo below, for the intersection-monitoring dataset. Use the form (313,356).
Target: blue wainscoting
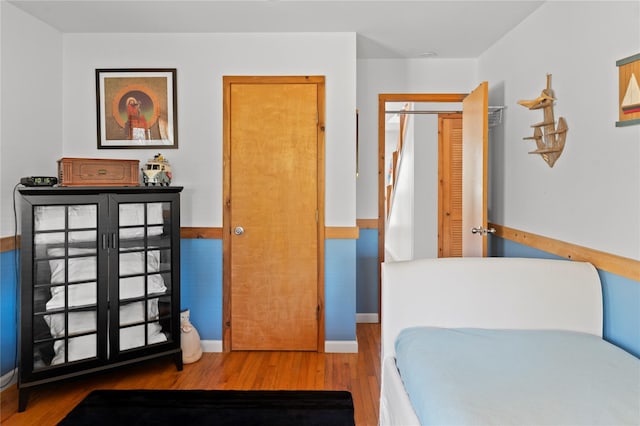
(367,272)
(201,285)
(621,297)
(350,286)
(340,290)
(8,315)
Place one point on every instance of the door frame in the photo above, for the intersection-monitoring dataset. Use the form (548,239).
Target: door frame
(319,81)
(383,98)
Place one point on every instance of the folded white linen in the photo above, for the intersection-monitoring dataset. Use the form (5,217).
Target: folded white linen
(85,269)
(51,218)
(83,347)
(85,321)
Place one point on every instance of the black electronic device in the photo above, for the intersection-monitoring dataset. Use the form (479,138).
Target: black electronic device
(39,181)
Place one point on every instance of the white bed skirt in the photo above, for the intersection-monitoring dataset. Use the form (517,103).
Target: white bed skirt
(395,407)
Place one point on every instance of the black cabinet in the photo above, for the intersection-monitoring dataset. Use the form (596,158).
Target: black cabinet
(100,280)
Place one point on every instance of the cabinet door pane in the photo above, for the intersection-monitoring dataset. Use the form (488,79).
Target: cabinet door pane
(144,272)
(83,216)
(65,295)
(134,320)
(47,218)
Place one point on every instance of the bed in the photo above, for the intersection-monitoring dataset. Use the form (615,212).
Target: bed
(500,341)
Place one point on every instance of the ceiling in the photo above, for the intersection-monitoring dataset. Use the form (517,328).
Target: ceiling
(384,29)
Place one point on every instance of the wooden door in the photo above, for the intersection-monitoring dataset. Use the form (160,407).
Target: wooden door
(449,185)
(274,143)
(475,142)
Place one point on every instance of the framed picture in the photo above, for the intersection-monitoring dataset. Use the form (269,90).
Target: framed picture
(629,90)
(137,108)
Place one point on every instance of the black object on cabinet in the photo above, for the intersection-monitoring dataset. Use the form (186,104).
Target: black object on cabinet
(100,280)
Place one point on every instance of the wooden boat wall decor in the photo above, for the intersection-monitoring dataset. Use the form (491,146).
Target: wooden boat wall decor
(629,91)
(549,136)
(631,101)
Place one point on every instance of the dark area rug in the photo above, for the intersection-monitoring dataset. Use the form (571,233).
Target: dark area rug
(212,407)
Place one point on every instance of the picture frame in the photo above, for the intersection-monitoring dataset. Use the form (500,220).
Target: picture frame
(137,108)
(629,91)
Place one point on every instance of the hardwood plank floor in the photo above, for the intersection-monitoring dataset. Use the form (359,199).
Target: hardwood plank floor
(358,373)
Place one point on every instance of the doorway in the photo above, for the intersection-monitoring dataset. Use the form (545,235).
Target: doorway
(273,240)
(383,193)
(475,152)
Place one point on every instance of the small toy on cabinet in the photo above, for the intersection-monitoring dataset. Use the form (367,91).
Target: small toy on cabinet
(157,170)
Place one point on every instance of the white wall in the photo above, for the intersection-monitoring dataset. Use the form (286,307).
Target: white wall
(48,103)
(31,99)
(425,173)
(591,197)
(201,61)
(412,228)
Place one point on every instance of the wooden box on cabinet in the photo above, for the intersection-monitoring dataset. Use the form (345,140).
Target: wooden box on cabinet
(98,172)
(100,280)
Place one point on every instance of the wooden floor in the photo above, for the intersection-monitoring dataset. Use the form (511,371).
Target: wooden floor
(358,373)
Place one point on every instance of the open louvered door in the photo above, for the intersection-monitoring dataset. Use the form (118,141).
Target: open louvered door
(450,185)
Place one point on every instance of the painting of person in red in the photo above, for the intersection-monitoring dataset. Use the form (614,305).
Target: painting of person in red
(136,125)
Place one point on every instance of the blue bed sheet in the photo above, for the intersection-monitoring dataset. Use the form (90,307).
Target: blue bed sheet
(523,377)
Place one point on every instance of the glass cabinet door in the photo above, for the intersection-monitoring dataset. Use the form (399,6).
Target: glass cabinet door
(65,284)
(144,280)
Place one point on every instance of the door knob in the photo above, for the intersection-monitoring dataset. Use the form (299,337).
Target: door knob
(238,230)
(482,230)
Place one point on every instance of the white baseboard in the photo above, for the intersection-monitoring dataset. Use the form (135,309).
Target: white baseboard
(211,345)
(8,379)
(367,318)
(331,346)
(341,346)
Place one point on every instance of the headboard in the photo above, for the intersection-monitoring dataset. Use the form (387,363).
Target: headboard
(509,293)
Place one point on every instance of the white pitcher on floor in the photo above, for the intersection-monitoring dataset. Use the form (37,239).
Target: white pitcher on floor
(189,339)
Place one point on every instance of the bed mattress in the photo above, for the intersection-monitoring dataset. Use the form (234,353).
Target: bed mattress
(500,377)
